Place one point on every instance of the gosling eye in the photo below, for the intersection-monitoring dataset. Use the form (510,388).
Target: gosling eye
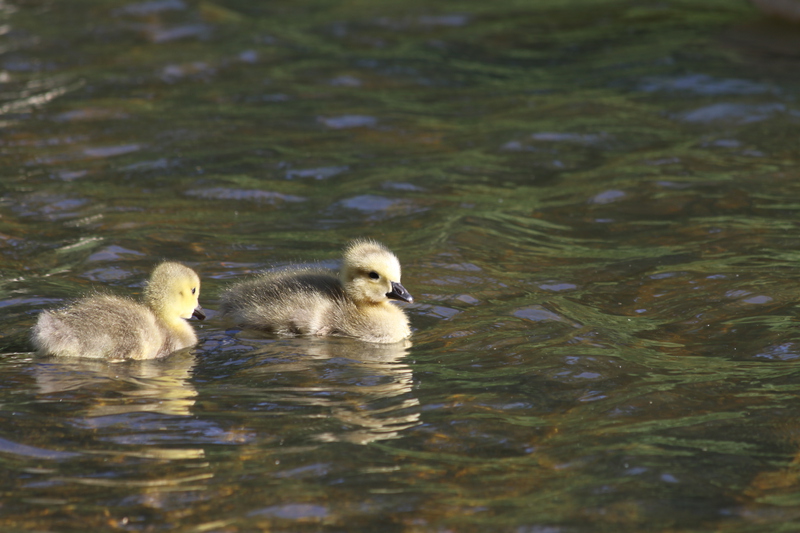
(194,290)
(374,275)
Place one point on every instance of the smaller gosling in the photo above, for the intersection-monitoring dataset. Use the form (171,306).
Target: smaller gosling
(316,301)
(114,328)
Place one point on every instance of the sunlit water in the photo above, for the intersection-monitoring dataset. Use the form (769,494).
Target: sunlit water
(596,208)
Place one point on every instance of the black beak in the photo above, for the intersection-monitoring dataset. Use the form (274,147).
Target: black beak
(399,293)
(198,313)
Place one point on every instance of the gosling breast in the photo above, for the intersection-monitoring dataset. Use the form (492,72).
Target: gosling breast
(112,327)
(355,302)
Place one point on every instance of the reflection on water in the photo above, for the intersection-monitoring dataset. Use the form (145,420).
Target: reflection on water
(161,386)
(14,448)
(119,395)
(595,204)
(111,429)
(366,388)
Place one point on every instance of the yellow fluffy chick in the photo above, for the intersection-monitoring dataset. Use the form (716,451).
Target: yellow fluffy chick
(315,301)
(110,327)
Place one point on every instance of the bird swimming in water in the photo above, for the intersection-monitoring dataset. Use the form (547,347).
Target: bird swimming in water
(317,301)
(109,327)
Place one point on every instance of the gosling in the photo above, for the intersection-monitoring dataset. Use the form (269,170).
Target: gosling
(114,328)
(315,301)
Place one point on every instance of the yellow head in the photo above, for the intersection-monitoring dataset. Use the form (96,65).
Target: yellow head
(371,273)
(173,291)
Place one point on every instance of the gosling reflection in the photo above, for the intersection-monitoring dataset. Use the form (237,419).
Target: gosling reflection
(154,386)
(367,390)
(141,407)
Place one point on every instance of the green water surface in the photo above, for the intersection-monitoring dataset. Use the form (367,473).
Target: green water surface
(595,203)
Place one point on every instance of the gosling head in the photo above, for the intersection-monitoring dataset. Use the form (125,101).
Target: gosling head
(371,273)
(174,291)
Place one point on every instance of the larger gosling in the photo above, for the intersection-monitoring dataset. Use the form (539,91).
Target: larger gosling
(114,328)
(315,301)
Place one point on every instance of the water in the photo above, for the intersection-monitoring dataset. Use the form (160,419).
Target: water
(595,204)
